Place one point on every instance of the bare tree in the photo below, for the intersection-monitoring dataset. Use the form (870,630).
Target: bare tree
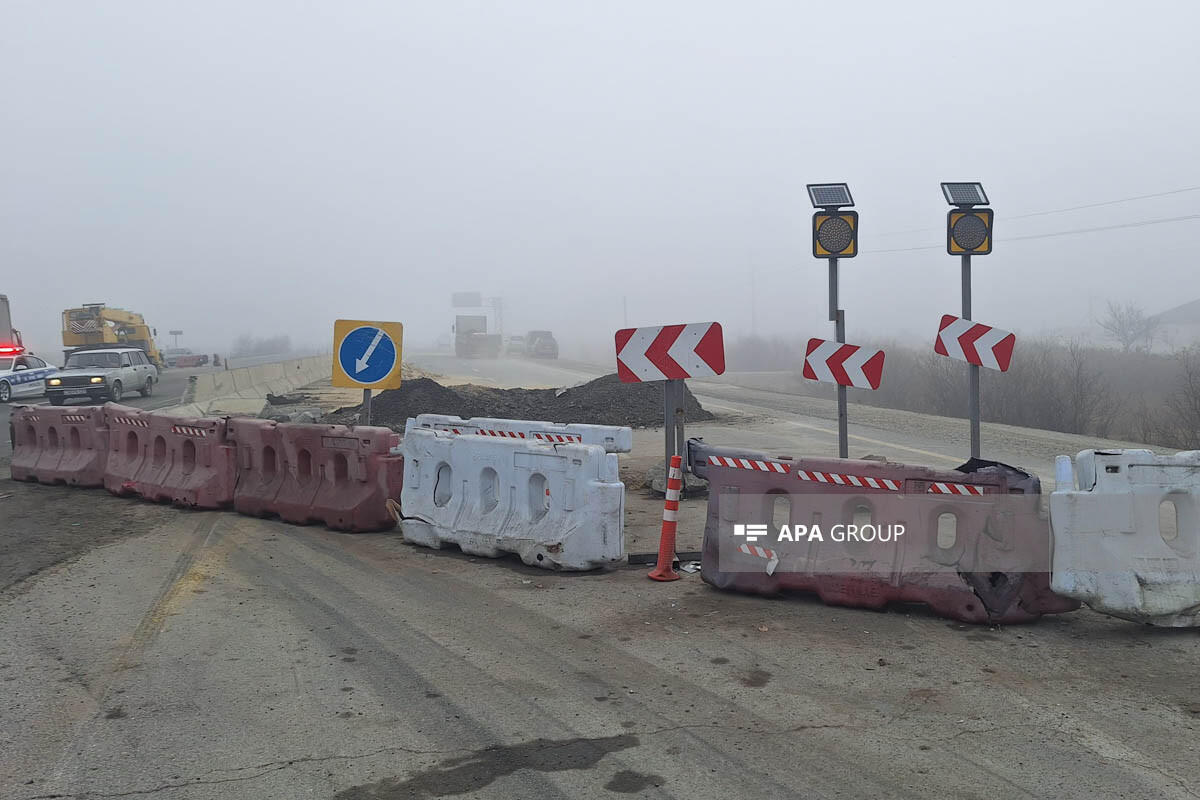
(1090,404)
(1184,403)
(1128,325)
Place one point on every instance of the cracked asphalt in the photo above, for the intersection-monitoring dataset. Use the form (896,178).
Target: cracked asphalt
(208,655)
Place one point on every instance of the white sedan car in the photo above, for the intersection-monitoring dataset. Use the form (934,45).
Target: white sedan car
(22,375)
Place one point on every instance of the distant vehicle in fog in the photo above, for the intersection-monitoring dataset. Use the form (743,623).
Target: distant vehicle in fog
(515,346)
(10,337)
(183,357)
(471,338)
(172,354)
(541,344)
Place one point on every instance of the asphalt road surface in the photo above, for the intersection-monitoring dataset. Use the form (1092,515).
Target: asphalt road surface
(210,655)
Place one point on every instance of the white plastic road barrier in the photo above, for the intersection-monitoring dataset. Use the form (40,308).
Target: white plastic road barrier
(556,506)
(613,438)
(1126,537)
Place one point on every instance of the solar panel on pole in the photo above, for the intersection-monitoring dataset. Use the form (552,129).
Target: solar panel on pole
(829,195)
(964,194)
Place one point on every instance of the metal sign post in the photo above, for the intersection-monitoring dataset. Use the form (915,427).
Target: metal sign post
(835,235)
(838,317)
(673,400)
(968,232)
(366,415)
(972,369)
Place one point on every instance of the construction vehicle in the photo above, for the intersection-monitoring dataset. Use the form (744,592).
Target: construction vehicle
(471,339)
(10,337)
(97,325)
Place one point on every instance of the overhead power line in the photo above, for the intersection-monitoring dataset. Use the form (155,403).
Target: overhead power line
(1052,234)
(1106,203)
(1048,212)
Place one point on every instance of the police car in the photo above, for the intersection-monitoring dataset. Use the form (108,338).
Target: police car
(22,374)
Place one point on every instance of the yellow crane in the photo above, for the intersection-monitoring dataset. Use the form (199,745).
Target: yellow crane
(95,324)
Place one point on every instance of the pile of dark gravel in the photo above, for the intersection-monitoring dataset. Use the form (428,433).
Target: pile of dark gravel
(603,401)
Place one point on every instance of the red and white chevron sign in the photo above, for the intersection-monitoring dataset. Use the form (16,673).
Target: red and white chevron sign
(670,352)
(843,364)
(974,343)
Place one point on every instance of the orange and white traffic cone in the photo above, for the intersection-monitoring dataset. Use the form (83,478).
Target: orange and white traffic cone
(664,570)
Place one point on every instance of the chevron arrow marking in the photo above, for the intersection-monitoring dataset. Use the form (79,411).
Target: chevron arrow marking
(843,364)
(975,343)
(670,352)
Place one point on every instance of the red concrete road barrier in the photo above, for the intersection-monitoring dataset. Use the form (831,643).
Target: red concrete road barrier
(994,569)
(339,475)
(334,474)
(59,445)
(181,460)
(261,469)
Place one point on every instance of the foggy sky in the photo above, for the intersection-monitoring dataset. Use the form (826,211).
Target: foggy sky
(267,167)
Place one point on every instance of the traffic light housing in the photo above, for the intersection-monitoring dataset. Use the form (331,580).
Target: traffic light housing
(835,234)
(969,231)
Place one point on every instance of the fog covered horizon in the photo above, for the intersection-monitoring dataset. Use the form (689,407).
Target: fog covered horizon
(265,168)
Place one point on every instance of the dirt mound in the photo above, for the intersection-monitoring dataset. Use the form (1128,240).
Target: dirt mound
(603,401)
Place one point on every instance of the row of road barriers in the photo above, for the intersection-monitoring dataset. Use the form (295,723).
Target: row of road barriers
(549,493)
(972,544)
(339,475)
(1126,534)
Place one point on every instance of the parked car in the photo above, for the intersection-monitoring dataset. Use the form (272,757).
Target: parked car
(22,374)
(515,346)
(102,374)
(541,344)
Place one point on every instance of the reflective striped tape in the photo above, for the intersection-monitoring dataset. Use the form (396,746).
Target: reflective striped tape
(480,432)
(188,430)
(955,488)
(134,421)
(755,550)
(75,419)
(501,434)
(560,438)
(836,479)
(840,479)
(748,463)
(674,484)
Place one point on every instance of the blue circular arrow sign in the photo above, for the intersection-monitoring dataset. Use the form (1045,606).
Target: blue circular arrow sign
(367,354)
